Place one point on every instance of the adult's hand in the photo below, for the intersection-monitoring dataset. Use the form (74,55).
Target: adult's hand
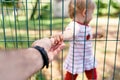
(53,46)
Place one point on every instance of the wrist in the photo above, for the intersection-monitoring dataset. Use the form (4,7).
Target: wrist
(34,58)
(44,56)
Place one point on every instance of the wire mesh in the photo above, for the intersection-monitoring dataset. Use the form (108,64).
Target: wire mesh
(23,21)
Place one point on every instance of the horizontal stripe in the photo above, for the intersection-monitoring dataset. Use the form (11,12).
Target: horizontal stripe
(78,47)
(79,67)
(81,41)
(80,50)
(77,58)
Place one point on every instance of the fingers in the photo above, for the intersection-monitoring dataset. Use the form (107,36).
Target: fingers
(57,49)
(58,38)
(57,41)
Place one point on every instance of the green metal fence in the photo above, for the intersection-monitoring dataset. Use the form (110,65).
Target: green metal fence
(23,21)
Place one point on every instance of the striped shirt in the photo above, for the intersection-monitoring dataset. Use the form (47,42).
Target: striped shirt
(80,55)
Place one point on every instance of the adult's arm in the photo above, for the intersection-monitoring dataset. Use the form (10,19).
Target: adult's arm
(22,63)
(19,64)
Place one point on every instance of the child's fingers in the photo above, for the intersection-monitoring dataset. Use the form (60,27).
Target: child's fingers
(54,40)
(58,38)
(61,37)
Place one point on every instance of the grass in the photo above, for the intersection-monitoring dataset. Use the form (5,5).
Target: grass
(55,23)
(21,33)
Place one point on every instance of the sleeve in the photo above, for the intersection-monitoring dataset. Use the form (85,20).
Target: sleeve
(74,27)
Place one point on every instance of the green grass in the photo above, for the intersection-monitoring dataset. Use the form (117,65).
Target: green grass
(12,37)
(55,23)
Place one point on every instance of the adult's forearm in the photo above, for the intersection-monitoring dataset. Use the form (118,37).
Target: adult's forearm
(19,64)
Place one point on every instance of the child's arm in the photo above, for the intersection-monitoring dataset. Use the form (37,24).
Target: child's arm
(70,31)
(58,38)
(67,34)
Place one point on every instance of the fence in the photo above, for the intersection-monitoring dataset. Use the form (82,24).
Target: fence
(23,21)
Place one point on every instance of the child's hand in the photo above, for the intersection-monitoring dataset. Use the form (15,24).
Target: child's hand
(58,39)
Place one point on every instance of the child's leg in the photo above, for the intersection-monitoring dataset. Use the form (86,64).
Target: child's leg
(70,76)
(91,74)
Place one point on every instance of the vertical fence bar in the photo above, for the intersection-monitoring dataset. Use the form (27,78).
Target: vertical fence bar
(51,17)
(85,39)
(106,39)
(51,28)
(39,28)
(33,20)
(19,27)
(7,9)
(15,27)
(27,22)
(35,7)
(62,32)
(5,43)
(96,30)
(116,49)
(73,38)
(39,18)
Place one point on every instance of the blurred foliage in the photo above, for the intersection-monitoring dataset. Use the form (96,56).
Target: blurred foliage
(45,11)
(103,7)
(8,2)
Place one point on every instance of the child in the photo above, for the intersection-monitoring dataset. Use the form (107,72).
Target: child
(80,56)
